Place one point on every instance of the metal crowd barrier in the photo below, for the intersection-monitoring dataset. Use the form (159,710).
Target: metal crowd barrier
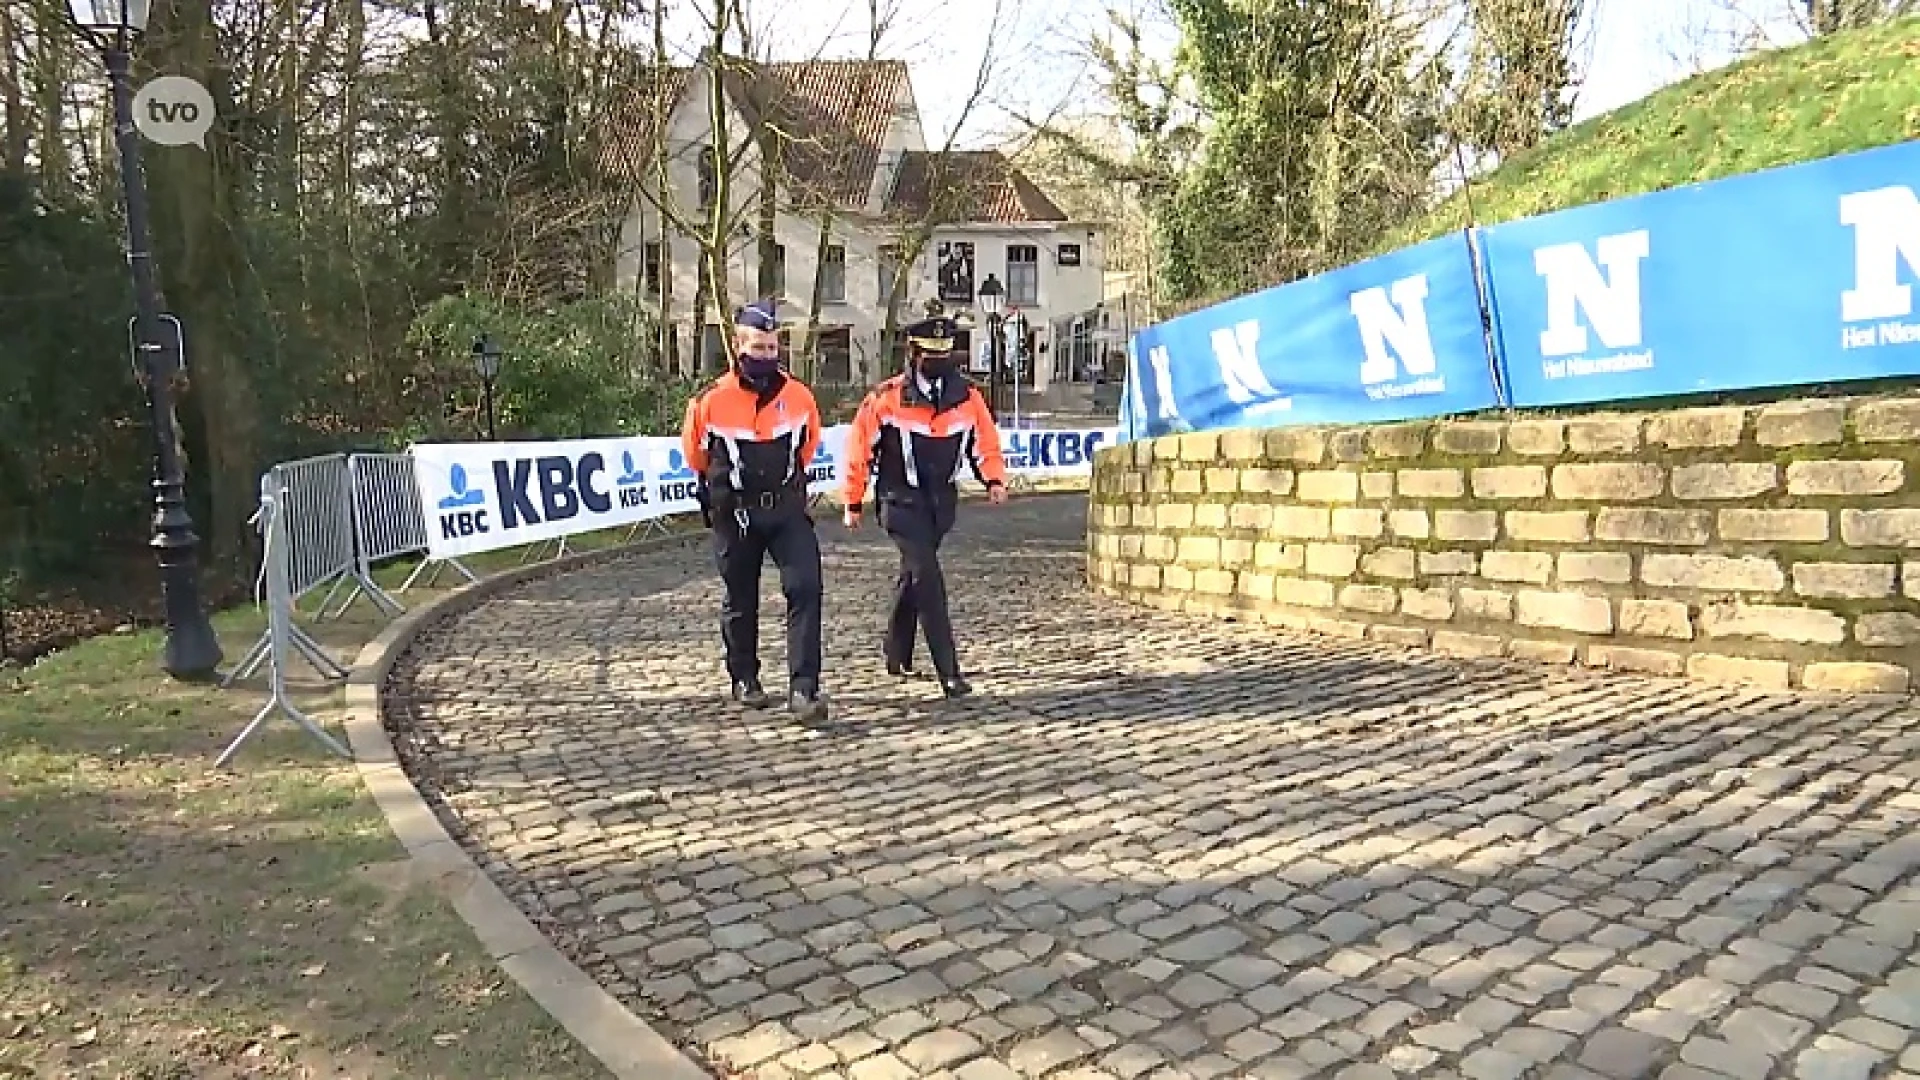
(311,499)
(283,570)
(325,522)
(536,551)
(388,522)
(642,530)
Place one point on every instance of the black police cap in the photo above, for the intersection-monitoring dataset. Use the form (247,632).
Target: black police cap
(932,335)
(757,316)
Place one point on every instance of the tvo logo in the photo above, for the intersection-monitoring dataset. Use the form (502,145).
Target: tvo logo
(1052,449)
(174,110)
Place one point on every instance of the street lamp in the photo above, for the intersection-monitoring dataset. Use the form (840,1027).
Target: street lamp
(991,298)
(192,651)
(486,361)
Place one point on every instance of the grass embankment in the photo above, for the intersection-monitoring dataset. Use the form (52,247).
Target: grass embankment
(1847,92)
(167,922)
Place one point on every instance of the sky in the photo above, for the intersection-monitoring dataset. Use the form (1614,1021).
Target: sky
(1039,61)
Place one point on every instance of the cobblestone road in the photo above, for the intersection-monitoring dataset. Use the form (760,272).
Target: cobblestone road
(1161,847)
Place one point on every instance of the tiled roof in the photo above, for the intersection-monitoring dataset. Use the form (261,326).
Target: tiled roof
(974,185)
(628,151)
(833,116)
(830,116)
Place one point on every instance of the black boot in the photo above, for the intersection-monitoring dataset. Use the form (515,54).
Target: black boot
(901,669)
(954,686)
(748,692)
(807,705)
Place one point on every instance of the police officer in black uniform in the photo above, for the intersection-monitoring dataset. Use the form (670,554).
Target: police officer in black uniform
(750,436)
(914,434)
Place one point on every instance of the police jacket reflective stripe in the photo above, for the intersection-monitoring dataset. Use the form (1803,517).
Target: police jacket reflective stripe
(742,440)
(906,439)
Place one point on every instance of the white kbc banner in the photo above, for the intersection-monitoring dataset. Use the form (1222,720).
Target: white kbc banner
(481,496)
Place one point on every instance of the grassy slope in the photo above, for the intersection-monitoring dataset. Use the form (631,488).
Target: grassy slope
(1852,91)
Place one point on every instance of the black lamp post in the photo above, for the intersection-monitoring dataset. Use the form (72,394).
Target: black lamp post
(486,361)
(992,298)
(192,651)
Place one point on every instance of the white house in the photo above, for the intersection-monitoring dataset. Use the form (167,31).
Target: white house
(854,154)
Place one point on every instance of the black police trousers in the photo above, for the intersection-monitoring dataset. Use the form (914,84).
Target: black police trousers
(916,522)
(786,533)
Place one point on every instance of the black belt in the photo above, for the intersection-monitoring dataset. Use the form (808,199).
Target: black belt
(909,496)
(736,499)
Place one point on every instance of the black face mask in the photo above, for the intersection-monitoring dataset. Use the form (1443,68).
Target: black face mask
(758,371)
(936,366)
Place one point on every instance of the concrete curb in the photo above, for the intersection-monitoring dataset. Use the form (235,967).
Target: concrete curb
(624,1043)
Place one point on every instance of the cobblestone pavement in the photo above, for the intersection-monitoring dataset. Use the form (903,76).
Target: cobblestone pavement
(1157,846)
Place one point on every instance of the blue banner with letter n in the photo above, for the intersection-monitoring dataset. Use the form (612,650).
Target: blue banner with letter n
(1396,337)
(1801,274)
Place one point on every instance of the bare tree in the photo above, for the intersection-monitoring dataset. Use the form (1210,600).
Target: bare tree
(881,18)
(1821,17)
(749,177)
(1709,36)
(1148,134)
(49,71)
(1752,25)
(739,164)
(715,222)
(1520,73)
(13,104)
(951,184)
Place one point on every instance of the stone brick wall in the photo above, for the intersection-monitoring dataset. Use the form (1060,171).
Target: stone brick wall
(1774,545)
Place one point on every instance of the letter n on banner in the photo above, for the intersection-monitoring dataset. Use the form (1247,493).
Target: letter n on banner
(1393,322)
(1886,227)
(1570,294)
(1785,277)
(1396,337)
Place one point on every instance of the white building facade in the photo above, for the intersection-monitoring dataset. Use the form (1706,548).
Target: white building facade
(853,157)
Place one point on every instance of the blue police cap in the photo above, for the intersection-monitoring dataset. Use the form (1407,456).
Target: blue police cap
(758,316)
(932,335)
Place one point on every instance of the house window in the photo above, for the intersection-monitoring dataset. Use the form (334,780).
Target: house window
(836,357)
(779,269)
(833,275)
(1023,274)
(1069,254)
(708,164)
(889,265)
(650,267)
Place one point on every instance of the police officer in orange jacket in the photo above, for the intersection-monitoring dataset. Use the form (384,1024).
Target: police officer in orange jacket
(750,436)
(914,434)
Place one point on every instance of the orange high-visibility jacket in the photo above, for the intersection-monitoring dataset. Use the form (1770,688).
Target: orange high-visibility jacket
(907,442)
(741,440)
